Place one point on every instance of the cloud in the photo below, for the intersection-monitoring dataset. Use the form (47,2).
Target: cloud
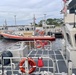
(24,9)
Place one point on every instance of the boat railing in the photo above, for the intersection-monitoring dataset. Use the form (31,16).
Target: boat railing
(12,67)
(31,45)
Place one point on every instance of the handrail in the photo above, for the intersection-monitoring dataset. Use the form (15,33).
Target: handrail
(12,58)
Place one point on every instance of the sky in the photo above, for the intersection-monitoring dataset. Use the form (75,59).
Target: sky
(25,10)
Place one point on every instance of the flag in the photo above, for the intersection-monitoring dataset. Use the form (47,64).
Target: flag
(64,10)
(64,1)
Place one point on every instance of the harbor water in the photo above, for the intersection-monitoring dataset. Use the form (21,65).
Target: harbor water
(5,44)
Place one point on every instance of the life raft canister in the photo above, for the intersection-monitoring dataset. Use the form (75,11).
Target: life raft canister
(31,62)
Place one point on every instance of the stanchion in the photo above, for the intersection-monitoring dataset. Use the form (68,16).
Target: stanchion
(69,67)
(2,62)
(26,66)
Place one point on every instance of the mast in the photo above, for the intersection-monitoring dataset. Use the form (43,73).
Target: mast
(45,24)
(64,12)
(5,25)
(45,19)
(34,20)
(5,22)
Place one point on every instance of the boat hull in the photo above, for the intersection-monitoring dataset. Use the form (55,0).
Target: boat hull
(26,38)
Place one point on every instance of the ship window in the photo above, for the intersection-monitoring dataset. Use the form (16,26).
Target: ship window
(31,28)
(47,27)
(68,38)
(49,33)
(27,29)
(21,29)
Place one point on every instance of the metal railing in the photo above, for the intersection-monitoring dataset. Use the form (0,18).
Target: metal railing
(13,67)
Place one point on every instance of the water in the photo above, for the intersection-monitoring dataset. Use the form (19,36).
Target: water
(4,44)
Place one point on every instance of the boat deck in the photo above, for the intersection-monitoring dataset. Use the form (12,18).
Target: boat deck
(60,65)
(50,56)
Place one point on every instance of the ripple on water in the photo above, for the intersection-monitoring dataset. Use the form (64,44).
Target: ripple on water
(5,43)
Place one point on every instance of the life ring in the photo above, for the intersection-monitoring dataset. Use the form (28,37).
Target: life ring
(41,33)
(38,44)
(37,30)
(31,62)
(45,42)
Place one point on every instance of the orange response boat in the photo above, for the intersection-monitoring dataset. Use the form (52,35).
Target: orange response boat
(25,38)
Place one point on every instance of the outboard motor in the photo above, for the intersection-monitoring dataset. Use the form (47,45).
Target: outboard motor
(6,54)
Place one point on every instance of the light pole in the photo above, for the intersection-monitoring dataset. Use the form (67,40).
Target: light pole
(34,23)
(15,19)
